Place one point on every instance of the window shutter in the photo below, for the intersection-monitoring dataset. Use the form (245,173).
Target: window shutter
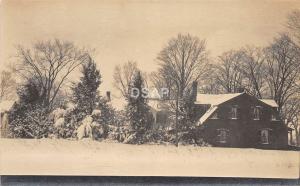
(258,136)
(239,114)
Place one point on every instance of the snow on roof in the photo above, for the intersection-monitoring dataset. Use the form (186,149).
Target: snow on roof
(270,102)
(214,99)
(207,114)
(6,105)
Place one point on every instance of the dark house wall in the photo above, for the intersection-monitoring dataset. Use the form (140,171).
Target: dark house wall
(245,131)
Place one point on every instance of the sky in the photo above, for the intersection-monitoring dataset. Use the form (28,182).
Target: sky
(137,30)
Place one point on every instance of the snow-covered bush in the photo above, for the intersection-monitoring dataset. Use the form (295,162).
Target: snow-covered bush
(99,130)
(29,121)
(117,133)
(85,129)
(57,114)
(90,128)
(70,107)
(156,136)
(76,123)
(113,133)
(59,123)
(131,139)
(191,137)
(96,113)
(119,127)
(28,118)
(104,114)
(67,125)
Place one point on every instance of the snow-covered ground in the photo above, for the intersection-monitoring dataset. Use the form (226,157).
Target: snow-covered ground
(87,157)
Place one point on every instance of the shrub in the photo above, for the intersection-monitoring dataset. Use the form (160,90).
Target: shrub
(29,121)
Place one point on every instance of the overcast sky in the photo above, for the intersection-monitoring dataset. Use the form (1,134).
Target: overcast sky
(137,30)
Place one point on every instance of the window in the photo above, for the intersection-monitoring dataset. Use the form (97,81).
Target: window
(264,136)
(222,135)
(273,117)
(256,113)
(234,112)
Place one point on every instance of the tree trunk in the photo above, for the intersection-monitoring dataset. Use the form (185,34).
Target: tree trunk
(176,142)
(297,137)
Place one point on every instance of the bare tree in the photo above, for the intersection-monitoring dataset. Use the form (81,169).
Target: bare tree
(291,111)
(50,62)
(7,85)
(209,84)
(123,75)
(183,61)
(282,71)
(228,73)
(159,81)
(252,68)
(293,24)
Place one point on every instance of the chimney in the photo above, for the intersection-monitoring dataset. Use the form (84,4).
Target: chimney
(108,96)
(194,90)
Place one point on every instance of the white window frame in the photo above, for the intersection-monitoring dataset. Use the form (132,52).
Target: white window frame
(222,135)
(256,110)
(234,111)
(273,117)
(265,141)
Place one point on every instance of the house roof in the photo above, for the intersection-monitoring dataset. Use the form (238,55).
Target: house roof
(270,102)
(207,114)
(214,99)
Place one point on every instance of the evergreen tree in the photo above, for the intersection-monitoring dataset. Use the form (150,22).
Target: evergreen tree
(88,99)
(137,110)
(107,111)
(187,116)
(86,92)
(30,93)
(28,117)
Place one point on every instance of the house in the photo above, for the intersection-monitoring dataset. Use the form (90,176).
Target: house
(231,120)
(240,120)
(160,109)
